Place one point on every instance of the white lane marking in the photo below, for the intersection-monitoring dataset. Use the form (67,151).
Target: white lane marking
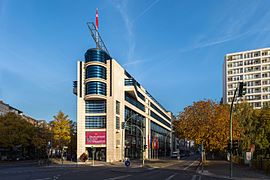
(190,165)
(119,177)
(170,177)
(193,177)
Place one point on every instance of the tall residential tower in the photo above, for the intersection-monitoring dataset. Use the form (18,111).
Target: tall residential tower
(251,67)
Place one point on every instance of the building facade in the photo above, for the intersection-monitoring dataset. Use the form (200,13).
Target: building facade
(253,68)
(108,96)
(6,108)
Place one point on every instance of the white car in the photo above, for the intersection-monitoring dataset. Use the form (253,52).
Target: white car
(175,155)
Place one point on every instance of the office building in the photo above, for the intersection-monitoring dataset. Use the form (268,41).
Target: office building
(107,96)
(253,68)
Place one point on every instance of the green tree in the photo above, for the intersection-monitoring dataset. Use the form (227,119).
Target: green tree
(40,140)
(15,131)
(246,116)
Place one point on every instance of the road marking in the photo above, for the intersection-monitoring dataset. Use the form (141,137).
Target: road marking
(119,177)
(170,177)
(193,177)
(190,165)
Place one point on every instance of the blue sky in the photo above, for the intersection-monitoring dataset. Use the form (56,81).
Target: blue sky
(174,48)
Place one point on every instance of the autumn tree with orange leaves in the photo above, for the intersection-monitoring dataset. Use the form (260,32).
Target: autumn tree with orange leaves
(206,122)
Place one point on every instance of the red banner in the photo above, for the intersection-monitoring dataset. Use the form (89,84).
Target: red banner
(95,137)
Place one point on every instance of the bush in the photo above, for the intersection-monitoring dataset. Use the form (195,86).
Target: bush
(83,157)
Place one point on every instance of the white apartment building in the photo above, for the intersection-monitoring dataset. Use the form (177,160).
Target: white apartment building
(251,67)
(107,96)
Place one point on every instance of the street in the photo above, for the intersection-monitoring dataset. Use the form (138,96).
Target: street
(186,169)
(183,169)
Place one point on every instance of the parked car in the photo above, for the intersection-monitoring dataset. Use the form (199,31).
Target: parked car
(175,155)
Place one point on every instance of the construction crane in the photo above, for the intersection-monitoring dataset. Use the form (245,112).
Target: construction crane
(96,36)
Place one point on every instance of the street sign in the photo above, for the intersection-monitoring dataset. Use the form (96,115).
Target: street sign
(248,156)
(127,162)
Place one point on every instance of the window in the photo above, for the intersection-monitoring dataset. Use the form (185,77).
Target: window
(96,55)
(95,122)
(95,87)
(134,102)
(159,111)
(95,71)
(118,107)
(95,106)
(117,123)
(157,117)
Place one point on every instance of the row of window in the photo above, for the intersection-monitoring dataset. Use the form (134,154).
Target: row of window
(95,106)
(249,55)
(96,55)
(157,117)
(95,87)
(246,63)
(132,82)
(235,71)
(134,102)
(252,69)
(253,97)
(95,71)
(159,111)
(95,122)
(266,60)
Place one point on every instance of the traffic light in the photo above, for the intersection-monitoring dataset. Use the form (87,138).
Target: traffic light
(235,144)
(242,89)
(145,147)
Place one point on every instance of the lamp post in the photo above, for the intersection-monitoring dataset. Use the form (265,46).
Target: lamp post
(166,143)
(123,135)
(142,143)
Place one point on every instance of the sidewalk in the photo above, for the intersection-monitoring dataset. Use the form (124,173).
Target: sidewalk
(221,169)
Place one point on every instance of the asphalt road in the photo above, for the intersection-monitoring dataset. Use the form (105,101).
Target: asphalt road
(183,169)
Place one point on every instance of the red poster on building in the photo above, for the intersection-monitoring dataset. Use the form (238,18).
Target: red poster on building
(95,137)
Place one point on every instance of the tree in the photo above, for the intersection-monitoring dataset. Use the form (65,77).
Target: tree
(245,114)
(61,129)
(206,122)
(40,140)
(15,130)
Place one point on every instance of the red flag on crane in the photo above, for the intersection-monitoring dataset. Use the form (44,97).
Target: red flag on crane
(97,18)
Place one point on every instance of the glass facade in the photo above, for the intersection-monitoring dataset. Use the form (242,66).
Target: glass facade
(134,102)
(158,134)
(95,87)
(133,136)
(157,117)
(97,55)
(95,106)
(95,71)
(159,111)
(95,122)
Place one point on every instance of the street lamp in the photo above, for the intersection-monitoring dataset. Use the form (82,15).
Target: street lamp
(123,136)
(166,143)
(142,143)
